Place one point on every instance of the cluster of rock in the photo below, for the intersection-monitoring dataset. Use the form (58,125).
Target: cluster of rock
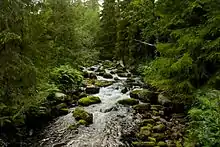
(92,86)
(160,125)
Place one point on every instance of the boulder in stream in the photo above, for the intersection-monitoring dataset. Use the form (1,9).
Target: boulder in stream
(89,100)
(144,95)
(162,144)
(122,74)
(107,76)
(141,108)
(128,101)
(145,132)
(91,89)
(61,109)
(159,128)
(103,83)
(81,114)
(116,79)
(89,74)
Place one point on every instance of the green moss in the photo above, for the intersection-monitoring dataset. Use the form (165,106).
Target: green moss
(129,101)
(103,83)
(83,95)
(159,128)
(151,139)
(147,121)
(86,101)
(144,95)
(148,127)
(64,111)
(143,144)
(155,113)
(145,132)
(158,136)
(60,106)
(156,107)
(162,144)
(82,122)
(141,108)
(80,113)
(72,127)
(178,144)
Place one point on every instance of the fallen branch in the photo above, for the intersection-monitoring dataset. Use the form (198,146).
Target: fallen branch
(144,42)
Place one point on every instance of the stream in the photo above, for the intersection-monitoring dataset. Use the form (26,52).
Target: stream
(156,121)
(110,122)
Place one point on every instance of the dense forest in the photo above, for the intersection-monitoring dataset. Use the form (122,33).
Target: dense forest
(173,45)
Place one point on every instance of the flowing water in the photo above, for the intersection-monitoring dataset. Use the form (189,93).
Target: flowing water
(110,122)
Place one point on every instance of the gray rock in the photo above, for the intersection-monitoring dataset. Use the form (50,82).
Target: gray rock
(92,89)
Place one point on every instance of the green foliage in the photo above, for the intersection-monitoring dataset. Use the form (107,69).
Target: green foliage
(35,38)
(204,120)
(107,33)
(66,77)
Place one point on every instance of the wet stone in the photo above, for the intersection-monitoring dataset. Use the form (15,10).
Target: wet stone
(92,89)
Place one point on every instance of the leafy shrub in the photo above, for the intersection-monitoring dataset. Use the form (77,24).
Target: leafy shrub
(66,77)
(204,126)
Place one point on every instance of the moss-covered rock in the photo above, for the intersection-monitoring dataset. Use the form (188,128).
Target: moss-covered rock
(89,100)
(60,109)
(60,106)
(89,74)
(97,83)
(141,108)
(159,128)
(81,95)
(156,107)
(63,111)
(56,98)
(162,144)
(108,64)
(163,100)
(122,74)
(144,95)
(120,71)
(151,139)
(91,89)
(158,136)
(147,127)
(103,83)
(107,76)
(143,144)
(116,78)
(147,121)
(81,114)
(82,122)
(129,101)
(72,127)
(155,113)
(145,132)
(170,143)
(178,144)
